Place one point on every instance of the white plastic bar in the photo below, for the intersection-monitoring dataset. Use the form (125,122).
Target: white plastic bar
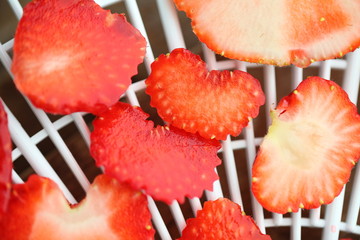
(325,69)
(270,91)
(333,218)
(16,178)
(295,232)
(82,127)
(352,75)
(61,146)
(209,57)
(216,192)
(171,25)
(131,96)
(178,215)
(5,59)
(296,76)
(16,7)
(106,3)
(354,202)
(250,157)
(42,134)
(231,173)
(351,86)
(160,226)
(33,155)
(195,205)
(271,101)
(137,22)
(9,45)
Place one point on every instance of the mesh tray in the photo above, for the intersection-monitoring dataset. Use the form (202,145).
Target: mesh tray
(57,146)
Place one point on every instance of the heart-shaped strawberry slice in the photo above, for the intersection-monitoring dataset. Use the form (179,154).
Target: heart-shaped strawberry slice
(214,103)
(309,150)
(282,33)
(166,162)
(221,219)
(111,210)
(5,160)
(74,56)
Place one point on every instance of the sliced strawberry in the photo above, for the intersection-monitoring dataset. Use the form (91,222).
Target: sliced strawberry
(282,33)
(221,220)
(214,104)
(74,56)
(5,161)
(309,150)
(166,162)
(111,210)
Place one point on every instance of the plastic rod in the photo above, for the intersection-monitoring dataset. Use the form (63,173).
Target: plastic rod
(171,25)
(195,205)
(216,192)
(270,91)
(354,202)
(33,155)
(16,178)
(16,7)
(333,218)
(250,157)
(136,20)
(178,215)
(160,226)
(295,232)
(82,127)
(296,76)
(231,173)
(352,75)
(61,146)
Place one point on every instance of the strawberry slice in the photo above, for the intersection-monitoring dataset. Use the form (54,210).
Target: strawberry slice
(282,33)
(214,103)
(166,162)
(221,219)
(5,161)
(309,150)
(111,210)
(74,56)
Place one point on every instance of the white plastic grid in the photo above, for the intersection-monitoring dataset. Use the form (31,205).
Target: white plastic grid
(331,224)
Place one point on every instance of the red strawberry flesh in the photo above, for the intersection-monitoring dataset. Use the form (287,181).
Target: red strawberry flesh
(221,219)
(111,210)
(5,161)
(188,96)
(282,33)
(168,163)
(309,150)
(72,56)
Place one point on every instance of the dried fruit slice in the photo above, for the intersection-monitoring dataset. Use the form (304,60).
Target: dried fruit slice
(309,150)
(281,32)
(111,210)
(221,220)
(74,56)
(166,162)
(214,103)
(5,161)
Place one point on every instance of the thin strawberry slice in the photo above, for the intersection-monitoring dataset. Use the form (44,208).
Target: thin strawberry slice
(214,103)
(74,56)
(221,219)
(5,161)
(308,153)
(168,163)
(111,210)
(280,33)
